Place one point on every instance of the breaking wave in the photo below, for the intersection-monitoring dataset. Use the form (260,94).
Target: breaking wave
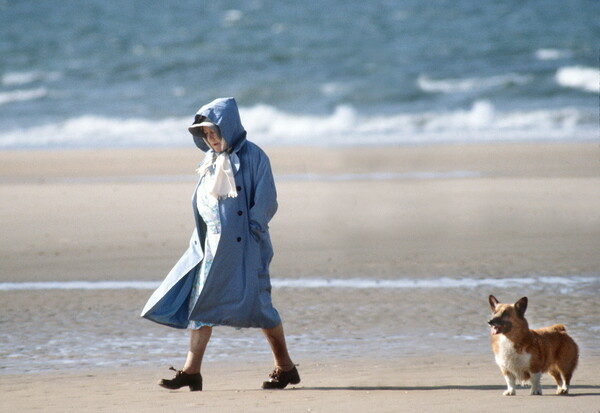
(22,95)
(579,77)
(429,85)
(482,122)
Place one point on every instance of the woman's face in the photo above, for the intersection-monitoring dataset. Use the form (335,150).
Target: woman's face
(213,139)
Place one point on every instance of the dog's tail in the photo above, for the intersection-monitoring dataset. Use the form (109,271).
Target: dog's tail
(560,328)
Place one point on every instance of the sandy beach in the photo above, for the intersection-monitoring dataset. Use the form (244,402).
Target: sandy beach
(463,212)
(454,384)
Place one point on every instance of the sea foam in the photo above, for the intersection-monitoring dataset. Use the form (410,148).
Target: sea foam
(579,77)
(19,78)
(551,54)
(430,85)
(22,95)
(335,283)
(482,122)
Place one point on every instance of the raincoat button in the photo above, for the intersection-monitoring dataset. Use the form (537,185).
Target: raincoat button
(240,213)
(239,239)
(238,188)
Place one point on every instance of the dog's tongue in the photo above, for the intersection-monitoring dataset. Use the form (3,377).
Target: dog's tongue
(495,330)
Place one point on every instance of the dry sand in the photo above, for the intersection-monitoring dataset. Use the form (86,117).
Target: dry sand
(518,209)
(126,214)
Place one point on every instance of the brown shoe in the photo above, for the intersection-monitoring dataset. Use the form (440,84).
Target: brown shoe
(279,378)
(181,379)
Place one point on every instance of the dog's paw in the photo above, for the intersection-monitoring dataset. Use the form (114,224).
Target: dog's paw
(536,392)
(509,392)
(562,392)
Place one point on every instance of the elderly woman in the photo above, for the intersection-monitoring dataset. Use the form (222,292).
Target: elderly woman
(223,277)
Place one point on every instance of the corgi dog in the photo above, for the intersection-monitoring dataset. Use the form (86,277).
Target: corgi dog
(523,354)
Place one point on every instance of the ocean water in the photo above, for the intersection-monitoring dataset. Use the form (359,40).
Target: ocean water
(106,73)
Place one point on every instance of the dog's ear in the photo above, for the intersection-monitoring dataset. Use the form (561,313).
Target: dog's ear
(493,302)
(521,306)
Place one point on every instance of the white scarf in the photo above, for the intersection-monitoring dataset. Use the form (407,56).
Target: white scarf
(223,184)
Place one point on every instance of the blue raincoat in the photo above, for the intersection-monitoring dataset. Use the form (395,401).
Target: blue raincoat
(237,291)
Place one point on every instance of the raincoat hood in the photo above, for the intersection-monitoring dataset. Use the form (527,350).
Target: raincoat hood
(224,113)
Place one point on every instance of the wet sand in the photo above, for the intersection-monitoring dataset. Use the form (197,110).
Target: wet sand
(441,384)
(495,211)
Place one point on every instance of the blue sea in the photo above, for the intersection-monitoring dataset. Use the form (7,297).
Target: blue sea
(121,74)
